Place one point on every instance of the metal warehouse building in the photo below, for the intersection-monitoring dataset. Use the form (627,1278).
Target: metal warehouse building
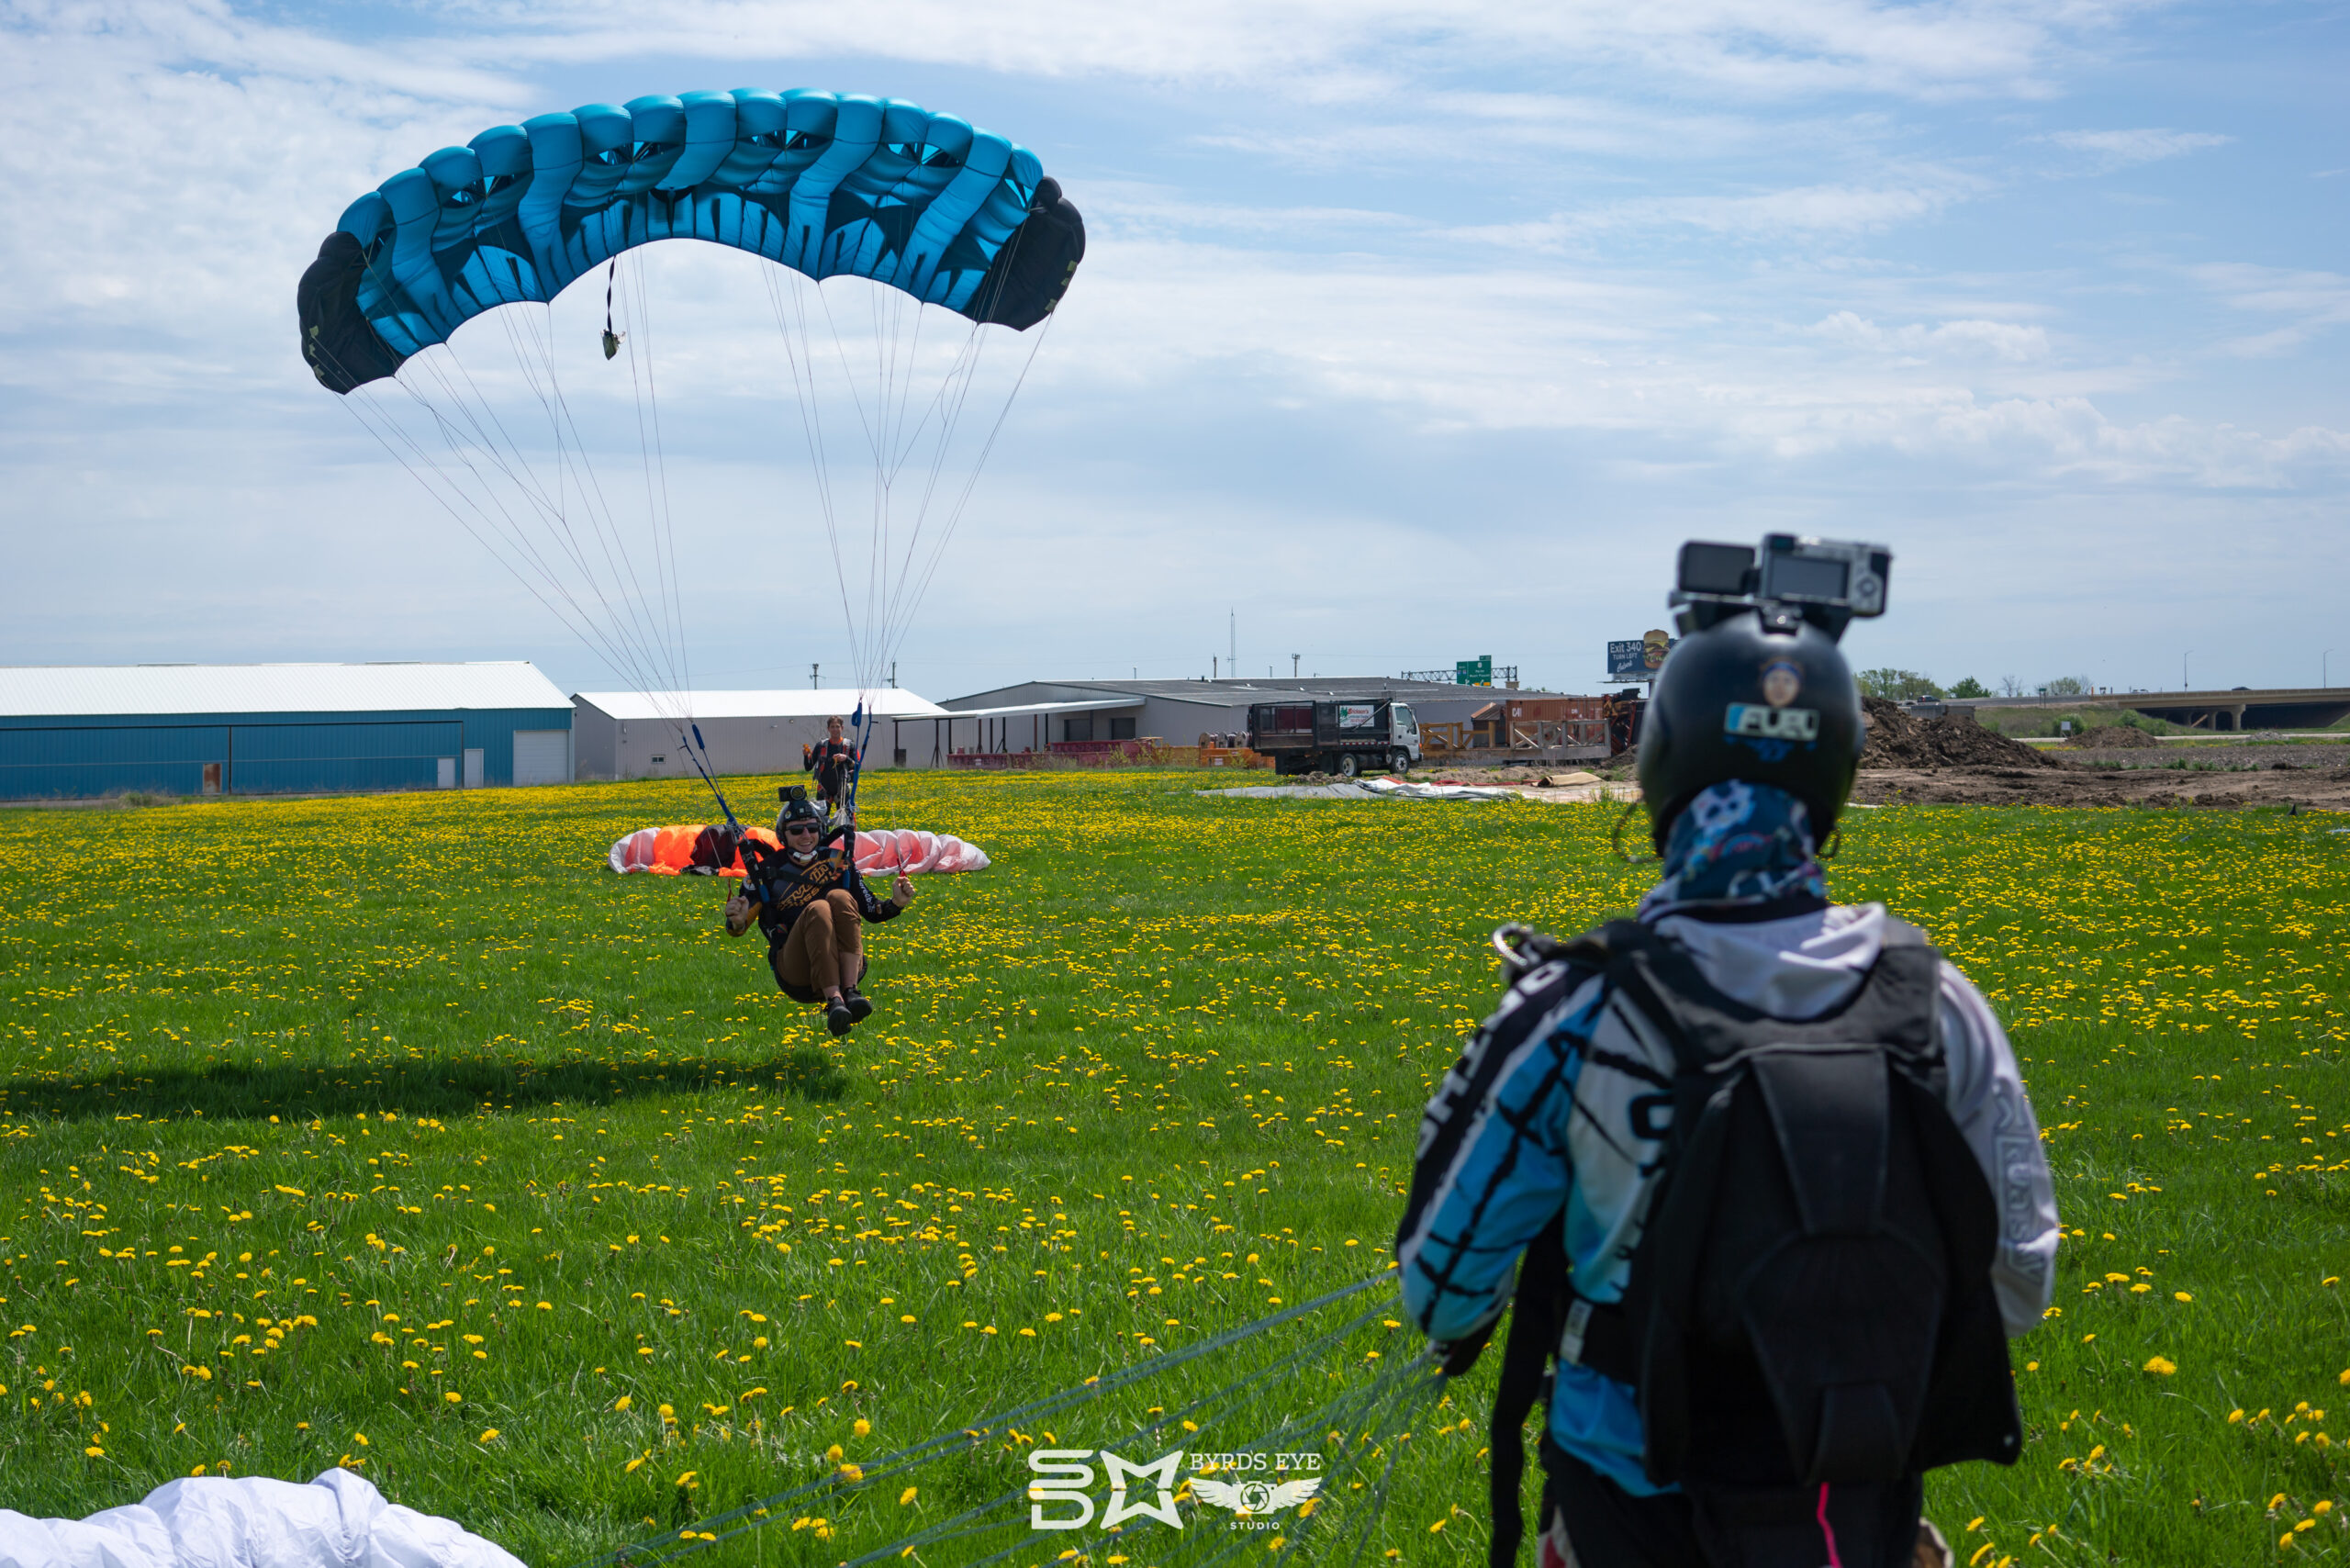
(69,731)
(1039,713)
(638,735)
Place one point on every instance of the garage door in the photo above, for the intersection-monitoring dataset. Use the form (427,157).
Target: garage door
(543,757)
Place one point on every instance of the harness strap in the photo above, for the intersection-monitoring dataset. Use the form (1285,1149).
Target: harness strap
(1533,1330)
(1598,1335)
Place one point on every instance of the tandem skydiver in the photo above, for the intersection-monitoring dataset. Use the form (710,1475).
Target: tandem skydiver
(811,901)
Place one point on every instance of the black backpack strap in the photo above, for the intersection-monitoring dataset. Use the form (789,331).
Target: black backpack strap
(1536,987)
(1533,1330)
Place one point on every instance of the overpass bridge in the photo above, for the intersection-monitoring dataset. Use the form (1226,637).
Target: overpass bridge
(2279,708)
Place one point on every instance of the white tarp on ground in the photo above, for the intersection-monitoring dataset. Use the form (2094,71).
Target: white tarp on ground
(336,1522)
(1570,788)
(1365,789)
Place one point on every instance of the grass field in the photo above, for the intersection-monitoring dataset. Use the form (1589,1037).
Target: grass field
(398,1132)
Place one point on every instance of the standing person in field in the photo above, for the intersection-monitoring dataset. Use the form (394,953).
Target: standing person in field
(812,903)
(832,762)
(1768,1162)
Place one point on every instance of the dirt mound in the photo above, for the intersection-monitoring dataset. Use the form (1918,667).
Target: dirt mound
(1897,740)
(2114,737)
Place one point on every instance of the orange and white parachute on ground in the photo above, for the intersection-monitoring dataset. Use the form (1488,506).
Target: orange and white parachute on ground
(880,852)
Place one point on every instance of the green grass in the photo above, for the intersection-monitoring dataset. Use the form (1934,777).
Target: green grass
(412,1066)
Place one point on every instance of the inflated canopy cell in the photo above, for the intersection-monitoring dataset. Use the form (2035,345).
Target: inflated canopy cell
(821,183)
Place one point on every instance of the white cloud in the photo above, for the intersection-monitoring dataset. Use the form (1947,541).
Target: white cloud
(2122,149)
(2317,301)
(1665,265)
(1349,49)
(2001,340)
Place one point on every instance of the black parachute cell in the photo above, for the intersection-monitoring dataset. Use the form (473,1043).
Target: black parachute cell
(341,347)
(1033,270)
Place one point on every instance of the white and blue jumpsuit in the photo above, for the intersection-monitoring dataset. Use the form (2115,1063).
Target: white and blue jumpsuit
(1574,1120)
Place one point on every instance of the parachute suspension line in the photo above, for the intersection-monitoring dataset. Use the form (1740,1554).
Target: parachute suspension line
(568,540)
(811,420)
(901,606)
(518,474)
(653,614)
(614,645)
(538,371)
(611,339)
(476,437)
(418,470)
(954,396)
(456,501)
(644,655)
(750,1515)
(963,501)
(665,536)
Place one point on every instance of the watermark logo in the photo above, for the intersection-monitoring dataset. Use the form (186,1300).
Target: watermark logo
(1249,1497)
(1068,1478)
(1251,1486)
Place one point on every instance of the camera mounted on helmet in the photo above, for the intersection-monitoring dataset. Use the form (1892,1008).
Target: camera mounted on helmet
(1756,689)
(1826,582)
(797,812)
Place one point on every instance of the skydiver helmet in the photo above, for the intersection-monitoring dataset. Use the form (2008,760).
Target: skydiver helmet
(797,809)
(1756,689)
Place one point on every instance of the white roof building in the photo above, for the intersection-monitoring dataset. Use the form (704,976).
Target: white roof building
(77,731)
(60,691)
(646,734)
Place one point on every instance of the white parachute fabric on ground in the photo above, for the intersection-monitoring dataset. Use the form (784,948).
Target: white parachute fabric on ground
(1363,790)
(336,1522)
(886,850)
(880,852)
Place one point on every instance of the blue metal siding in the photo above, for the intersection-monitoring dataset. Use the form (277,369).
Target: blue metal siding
(278,758)
(262,753)
(37,763)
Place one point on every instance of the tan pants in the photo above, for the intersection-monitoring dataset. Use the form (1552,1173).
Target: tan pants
(825,950)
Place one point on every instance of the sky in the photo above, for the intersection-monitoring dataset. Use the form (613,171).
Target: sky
(1404,334)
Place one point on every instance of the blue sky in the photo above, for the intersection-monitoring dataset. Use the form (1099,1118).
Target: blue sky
(1404,334)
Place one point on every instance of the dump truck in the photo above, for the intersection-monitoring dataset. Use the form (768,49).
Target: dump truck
(1346,738)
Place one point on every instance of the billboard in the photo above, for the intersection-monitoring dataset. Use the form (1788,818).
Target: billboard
(1639,659)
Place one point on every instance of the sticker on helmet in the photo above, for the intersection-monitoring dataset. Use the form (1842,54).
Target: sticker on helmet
(1781,681)
(1772,724)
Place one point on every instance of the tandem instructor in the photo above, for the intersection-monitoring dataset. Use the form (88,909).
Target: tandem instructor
(1763,1164)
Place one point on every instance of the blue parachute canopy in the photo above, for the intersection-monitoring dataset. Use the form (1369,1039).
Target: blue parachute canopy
(817,182)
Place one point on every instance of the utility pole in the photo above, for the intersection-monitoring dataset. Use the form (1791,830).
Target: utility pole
(893,675)
(2183,684)
(1213,674)
(814,684)
(1292,665)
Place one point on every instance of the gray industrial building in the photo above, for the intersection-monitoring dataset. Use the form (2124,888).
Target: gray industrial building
(69,731)
(1037,713)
